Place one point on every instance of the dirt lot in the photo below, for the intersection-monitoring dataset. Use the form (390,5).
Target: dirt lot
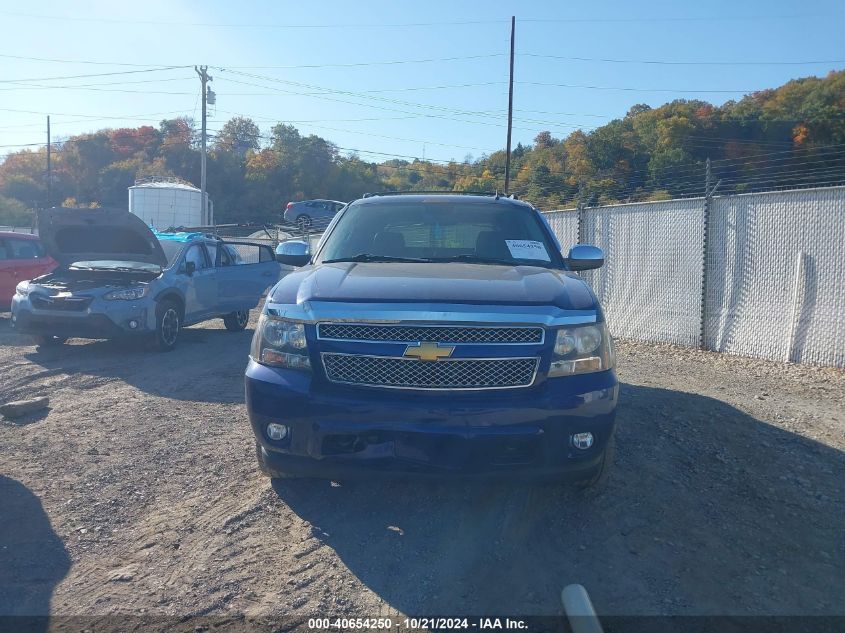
(137,492)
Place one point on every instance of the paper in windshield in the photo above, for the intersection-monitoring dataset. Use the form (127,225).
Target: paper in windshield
(528,249)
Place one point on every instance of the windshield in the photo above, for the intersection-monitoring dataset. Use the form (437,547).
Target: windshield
(171,249)
(438,231)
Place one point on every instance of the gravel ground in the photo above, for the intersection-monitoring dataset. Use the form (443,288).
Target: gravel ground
(137,493)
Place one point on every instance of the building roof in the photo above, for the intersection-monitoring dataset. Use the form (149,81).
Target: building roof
(165,185)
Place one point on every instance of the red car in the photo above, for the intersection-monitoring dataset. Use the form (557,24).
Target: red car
(21,258)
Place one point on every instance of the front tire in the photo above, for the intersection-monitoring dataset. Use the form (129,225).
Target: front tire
(236,321)
(168,326)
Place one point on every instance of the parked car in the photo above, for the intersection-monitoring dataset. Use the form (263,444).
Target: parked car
(434,335)
(311,213)
(22,257)
(117,278)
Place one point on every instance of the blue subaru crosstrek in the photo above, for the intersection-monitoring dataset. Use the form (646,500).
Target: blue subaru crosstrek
(117,278)
(434,335)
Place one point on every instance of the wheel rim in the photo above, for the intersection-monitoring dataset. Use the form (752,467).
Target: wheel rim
(242,317)
(169,327)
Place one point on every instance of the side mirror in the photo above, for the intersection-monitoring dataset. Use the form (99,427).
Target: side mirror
(190,268)
(293,253)
(585,257)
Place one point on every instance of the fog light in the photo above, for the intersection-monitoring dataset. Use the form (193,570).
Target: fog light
(133,324)
(280,431)
(582,441)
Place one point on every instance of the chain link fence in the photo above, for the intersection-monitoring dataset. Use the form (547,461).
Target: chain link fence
(769,284)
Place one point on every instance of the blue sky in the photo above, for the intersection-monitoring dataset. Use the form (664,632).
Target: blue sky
(319,65)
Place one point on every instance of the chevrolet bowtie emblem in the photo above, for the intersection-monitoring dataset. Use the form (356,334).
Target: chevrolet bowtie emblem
(428,351)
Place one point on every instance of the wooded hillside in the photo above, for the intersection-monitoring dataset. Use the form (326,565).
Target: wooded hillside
(781,138)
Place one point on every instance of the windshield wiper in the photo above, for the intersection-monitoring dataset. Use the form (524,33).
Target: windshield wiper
(369,257)
(476,259)
(127,269)
(130,269)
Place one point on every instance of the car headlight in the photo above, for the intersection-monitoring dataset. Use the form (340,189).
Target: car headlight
(127,294)
(280,343)
(22,289)
(582,349)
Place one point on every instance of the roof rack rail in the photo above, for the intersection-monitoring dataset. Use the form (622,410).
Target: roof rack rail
(431,191)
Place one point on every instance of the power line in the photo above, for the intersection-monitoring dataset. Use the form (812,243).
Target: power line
(387,109)
(443,87)
(122,90)
(264,119)
(722,140)
(600,116)
(77,61)
(140,117)
(92,117)
(710,18)
(683,63)
(407,140)
(276,67)
(96,88)
(628,89)
(817,148)
(59,145)
(362,151)
(117,72)
(367,64)
(412,104)
(351,25)
(248,25)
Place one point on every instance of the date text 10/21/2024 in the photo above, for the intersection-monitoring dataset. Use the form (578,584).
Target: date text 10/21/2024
(413,624)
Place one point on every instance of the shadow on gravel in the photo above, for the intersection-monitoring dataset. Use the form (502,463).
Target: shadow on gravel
(29,418)
(8,337)
(33,559)
(709,511)
(207,365)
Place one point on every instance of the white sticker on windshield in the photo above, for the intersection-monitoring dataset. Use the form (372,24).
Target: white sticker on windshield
(527,249)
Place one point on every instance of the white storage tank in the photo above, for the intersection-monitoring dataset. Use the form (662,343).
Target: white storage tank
(165,205)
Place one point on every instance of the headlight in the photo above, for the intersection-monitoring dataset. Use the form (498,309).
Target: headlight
(22,289)
(582,349)
(127,294)
(280,343)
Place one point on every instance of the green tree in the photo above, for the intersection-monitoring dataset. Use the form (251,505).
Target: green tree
(238,136)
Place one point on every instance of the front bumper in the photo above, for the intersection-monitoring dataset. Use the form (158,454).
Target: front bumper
(112,320)
(340,432)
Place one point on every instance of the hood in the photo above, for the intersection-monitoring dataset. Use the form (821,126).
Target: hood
(75,235)
(435,283)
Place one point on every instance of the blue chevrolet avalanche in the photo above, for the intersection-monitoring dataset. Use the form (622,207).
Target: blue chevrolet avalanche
(434,335)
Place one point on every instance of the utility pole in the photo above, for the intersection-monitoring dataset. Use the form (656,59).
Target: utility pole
(202,71)
(510,112)
(49,166)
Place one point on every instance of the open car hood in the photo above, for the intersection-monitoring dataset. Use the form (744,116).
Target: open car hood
(75,235)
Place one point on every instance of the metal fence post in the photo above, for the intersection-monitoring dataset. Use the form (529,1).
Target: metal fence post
(580,223)
(708,201)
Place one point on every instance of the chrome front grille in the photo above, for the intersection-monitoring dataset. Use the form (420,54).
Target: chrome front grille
(447,374)
(69,304)
(432,333)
